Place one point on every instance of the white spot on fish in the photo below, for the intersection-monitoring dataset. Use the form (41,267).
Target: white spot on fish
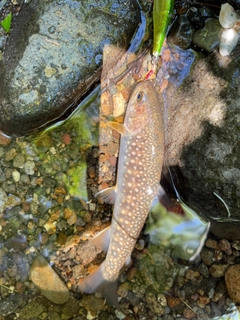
(149,191)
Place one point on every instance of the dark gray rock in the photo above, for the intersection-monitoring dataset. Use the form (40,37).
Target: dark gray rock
(203,141)
(54,53)
(181,32)
(209,37)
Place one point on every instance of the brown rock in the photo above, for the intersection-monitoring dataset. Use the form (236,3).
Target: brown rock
(212,244)
(4,140)
(188,313)
(232,280)
(218,270)
(202,301)
(106,103)
(172,301)
(48,282)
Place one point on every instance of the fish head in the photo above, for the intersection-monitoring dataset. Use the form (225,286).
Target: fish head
(137,114)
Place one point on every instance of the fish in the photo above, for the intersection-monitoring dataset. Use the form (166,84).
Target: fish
(138,184)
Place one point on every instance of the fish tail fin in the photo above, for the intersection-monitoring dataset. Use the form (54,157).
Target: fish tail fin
(95,282)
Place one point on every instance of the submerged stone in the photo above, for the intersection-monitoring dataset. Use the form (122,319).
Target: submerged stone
(208,38)
(48,282)
(53,54)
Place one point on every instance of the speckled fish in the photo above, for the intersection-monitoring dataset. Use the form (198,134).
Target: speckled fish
(138,182)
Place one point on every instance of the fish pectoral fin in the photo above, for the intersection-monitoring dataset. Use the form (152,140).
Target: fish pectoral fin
(102,239)
(119,127)
(164,198)
(95,282)
(107,195)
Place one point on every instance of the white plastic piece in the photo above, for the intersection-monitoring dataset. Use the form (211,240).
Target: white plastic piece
(227,16)
(228,41)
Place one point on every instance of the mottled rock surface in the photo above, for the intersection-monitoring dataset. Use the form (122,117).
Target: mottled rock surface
(53,54)
(203,140)
(232,280)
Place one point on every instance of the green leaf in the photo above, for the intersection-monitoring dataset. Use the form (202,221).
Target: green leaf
(6,23)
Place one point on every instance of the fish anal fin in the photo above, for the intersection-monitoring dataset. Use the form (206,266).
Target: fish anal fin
(119,127)
(102,239)
(107,195)
(95,282)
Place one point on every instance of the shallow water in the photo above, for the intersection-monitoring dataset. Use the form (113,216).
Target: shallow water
(48,181)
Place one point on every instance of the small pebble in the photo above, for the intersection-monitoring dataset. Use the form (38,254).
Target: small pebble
(218,270)
(16,175)
(10,154)
(212,244)
(29,167)
(224,245)
(4,139)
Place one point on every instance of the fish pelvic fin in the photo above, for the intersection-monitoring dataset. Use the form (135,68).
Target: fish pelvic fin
(107,195)
(163,198)
(119,127)
(102,239)
(95,282)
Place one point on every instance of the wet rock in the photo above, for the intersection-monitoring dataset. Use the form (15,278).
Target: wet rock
(7,307)
(10,154)
(70,308)
(207,152)
(2,176)
(153,303)
(203,269)
(3,199)
(12,201)
(48,282)
(4,140)
(196,18)
(218,270)
(209,37)
(31,311)
(18,161)
(212,244)
(54,52)
(232,280)
(18,242)
(207,256)
(93,304)
(181,32)
(224,245)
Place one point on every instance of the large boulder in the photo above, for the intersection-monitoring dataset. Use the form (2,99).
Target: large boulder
(203,140)
(54,53)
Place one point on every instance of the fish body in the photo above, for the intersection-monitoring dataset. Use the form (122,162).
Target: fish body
(138,180)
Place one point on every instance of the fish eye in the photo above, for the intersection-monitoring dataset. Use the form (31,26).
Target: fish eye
(140,96)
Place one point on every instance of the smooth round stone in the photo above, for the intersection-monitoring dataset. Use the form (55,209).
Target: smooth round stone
(47,281)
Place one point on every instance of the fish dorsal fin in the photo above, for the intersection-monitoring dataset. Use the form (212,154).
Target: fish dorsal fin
(163,198)
(119,127)
(107,195)
(102,239)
